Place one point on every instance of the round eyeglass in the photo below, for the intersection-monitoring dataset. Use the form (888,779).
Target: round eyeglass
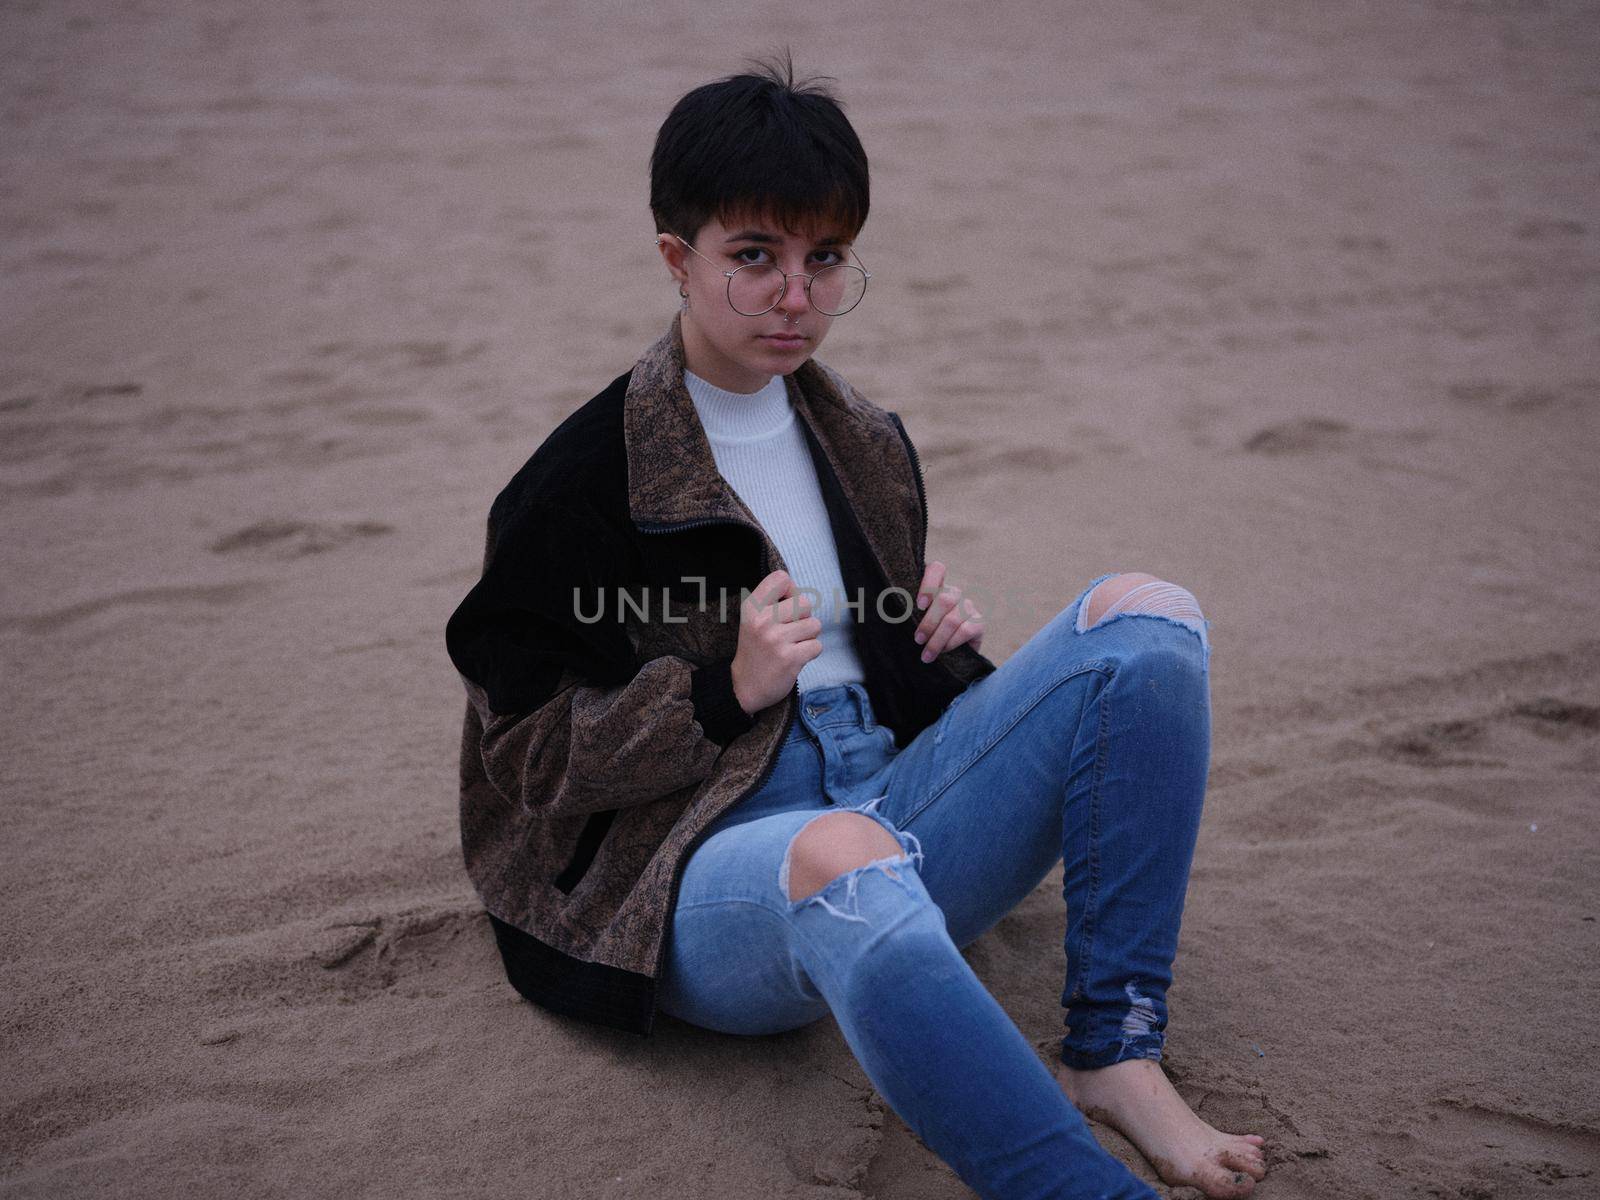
(755,289)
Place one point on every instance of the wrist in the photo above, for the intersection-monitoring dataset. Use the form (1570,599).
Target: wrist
(716,707)
(736,682)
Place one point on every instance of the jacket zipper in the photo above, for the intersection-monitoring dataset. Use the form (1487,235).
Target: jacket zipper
(766,771)
(657,527)
(922,490)
(922,505)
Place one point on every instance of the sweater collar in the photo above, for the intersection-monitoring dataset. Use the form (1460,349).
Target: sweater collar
(729,417)
(673,476)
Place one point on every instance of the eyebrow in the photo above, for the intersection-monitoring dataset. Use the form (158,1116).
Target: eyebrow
(755,235)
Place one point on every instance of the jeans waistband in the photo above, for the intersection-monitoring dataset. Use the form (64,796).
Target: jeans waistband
(837,704)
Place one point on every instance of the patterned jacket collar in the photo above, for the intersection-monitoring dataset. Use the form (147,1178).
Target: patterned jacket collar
(673,476)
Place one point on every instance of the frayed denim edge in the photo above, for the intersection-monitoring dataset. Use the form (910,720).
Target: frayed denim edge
(1202,630)
(910,853)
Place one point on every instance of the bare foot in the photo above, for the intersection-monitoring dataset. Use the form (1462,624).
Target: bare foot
(1136,1099)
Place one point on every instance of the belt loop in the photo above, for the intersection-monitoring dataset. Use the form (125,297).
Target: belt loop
(864,706)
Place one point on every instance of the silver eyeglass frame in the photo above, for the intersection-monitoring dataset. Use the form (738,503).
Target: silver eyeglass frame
(787,275)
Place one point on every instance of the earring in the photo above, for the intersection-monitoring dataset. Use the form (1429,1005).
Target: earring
(685,296)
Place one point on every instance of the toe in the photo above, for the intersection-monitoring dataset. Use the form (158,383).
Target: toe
(1245,1158)
(1215,1176)
(1222,1182)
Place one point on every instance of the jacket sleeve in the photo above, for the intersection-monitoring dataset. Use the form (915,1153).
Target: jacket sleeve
(571,721)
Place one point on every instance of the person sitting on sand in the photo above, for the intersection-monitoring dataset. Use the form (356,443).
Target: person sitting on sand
(732,752)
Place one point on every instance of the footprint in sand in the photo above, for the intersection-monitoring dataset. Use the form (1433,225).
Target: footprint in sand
(296,377)
(1439,744)
(311,962)
(1302,435)
(373,955)
(96,391)
(1559,720)
(1365,246)
(1493,395)
(1477,1149)
(966,459)
(296,539)
(1376,450)
(213,595)
(1490,740)
(421,355)
(1541,229)
(1461,739)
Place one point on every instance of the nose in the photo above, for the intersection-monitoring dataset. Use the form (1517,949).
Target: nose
(795,297)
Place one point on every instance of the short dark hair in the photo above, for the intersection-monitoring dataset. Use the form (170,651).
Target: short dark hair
(760,144)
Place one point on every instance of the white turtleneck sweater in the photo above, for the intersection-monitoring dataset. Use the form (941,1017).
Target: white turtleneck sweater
(760,449)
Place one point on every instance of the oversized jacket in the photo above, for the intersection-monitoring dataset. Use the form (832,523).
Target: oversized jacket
(596,751)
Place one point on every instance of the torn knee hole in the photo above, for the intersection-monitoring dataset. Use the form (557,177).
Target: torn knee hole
(830,847)
(1137,592)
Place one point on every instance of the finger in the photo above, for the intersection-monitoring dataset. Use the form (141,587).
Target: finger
(932,581)
(804,630)
(962,624)
(965,633)
(771,589)
(973,616)
(942,637)
(943,601)
(796,607)
(778,600)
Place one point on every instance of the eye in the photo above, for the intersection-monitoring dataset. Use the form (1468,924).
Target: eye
(827,258)
(752,254)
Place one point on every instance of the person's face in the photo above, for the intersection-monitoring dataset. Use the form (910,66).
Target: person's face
(726,348)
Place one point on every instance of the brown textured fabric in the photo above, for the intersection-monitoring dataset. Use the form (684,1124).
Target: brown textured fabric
(580,805)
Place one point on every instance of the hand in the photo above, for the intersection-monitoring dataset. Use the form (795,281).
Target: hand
(777,636)
(949,620)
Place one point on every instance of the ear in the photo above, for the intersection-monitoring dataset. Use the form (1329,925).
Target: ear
(673,254)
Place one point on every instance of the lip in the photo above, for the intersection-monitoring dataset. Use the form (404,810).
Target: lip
(785,339)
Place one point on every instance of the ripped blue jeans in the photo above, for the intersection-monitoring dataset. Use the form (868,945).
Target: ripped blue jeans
(1089,745)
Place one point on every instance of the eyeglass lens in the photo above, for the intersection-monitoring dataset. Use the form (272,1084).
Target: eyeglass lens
(757,288)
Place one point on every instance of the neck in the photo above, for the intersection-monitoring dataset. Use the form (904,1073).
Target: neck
(731,418)
(701,357)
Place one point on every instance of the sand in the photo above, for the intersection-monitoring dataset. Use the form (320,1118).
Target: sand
(1295,304)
